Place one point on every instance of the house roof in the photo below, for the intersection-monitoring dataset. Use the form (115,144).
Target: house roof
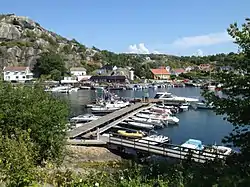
(77,69)
(179,70)
(15,68)
(160,71)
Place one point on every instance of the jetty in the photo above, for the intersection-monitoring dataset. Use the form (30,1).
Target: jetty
(106,122)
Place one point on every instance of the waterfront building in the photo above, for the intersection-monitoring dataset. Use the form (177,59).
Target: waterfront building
(178,71)
(77,71)
(160,73)
(113,79)
(17,74)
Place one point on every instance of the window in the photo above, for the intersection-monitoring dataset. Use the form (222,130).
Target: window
(17,77)
(23,77)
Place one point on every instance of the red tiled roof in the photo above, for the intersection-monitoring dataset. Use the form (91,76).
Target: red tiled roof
(160,72)
(15,68)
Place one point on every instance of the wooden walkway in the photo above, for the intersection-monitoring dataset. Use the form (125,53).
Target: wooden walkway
(166,150)
(105,120)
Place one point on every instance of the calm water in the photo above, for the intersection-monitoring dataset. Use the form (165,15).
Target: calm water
(198,124)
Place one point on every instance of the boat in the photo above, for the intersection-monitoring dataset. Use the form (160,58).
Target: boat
(154,139)
(157,123)
(166,119)
(203,105)
(130,134)
(221,150)
(103,109)
(117,104)
(140,125)
(62,89)
(184,107)
(84,118)
(193,144)
(169,98)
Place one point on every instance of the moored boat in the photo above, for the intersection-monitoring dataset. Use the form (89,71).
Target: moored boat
(154,139)
(103,109)
(131,134)
(84,118)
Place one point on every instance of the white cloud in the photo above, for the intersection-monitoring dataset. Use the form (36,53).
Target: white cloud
(202,40)
(199,52)
(140,49)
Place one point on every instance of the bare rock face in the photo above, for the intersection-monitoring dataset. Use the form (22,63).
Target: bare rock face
(22,41)
(9,32)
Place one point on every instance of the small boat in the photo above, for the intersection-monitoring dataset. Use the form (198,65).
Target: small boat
(103,109)
(140,125)
(166,119)
(169,98)
(155,139)
(192,144)
(131,134)
(203,105)
(222,150)
(84,118)
(184,107)
(157,123)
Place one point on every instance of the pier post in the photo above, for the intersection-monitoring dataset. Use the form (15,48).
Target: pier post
(98,134)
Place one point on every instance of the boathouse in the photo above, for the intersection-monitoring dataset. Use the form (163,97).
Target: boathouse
(116,78)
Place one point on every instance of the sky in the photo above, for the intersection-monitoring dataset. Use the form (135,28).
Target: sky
(176,27)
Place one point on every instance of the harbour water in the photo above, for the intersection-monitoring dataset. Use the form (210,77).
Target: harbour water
(204,125)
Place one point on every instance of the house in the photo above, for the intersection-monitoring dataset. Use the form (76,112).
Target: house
(77,71)
(17,74)
(107,69)
(189,68)
(226,68)
(117,79)
(178,71)
(204,67)
(160,73)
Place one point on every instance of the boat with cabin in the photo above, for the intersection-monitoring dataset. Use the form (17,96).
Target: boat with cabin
(154,139)
(166,119)
(168,98)
(84,118)
(157,123)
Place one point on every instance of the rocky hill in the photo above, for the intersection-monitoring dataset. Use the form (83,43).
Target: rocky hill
(22,41)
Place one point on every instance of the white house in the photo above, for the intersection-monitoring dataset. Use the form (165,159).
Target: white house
(17,74)
(78,71)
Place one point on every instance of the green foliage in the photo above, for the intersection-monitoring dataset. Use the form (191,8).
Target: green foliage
(31,34)
(17,157)
(47,63)
(48,38)
(20,44)
(56,75)
(235,106)
(32,109)
(172,77)
(67,49)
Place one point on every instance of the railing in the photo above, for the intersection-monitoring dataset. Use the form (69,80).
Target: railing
(165,149)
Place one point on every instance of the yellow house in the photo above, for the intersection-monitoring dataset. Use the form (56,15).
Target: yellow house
(160,73)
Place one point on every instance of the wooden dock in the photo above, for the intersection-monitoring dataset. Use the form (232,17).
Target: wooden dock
(104,121)
(166,150)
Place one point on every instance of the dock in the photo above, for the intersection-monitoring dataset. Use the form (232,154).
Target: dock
(165,150)
(105,122)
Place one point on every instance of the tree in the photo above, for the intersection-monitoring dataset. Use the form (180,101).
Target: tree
(236,87)
(17,159)
(27,108)
(56,75)
(48,62)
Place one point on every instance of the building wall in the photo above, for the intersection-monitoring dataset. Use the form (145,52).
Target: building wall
(78,73)
(160,76)
(19,76)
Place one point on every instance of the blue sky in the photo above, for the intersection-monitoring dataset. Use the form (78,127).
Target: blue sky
(177,27)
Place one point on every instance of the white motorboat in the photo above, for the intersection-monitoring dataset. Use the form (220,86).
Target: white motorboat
(222,151)
(203,105)
(117,104)
(103,109)
(157,123)
(84,118)
(62,89)
(184,107)
(169,98)
(140,125)
(154,139)
(166,119)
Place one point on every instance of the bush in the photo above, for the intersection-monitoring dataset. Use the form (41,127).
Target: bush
(28,108)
